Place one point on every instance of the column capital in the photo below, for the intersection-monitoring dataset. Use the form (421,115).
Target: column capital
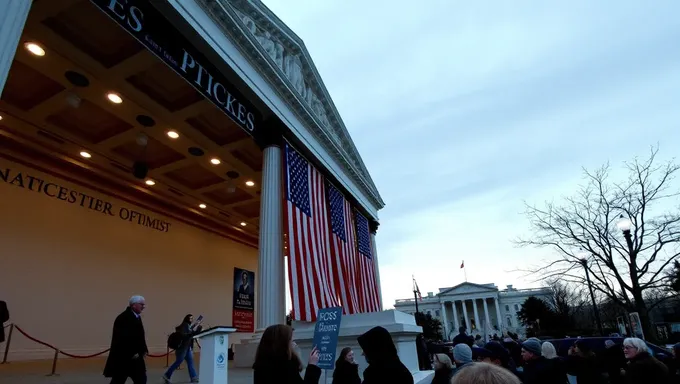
(373,226)
(270,134)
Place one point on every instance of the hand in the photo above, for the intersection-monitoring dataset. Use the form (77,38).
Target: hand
(314,357)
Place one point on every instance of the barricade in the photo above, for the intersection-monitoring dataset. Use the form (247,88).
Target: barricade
(58,351)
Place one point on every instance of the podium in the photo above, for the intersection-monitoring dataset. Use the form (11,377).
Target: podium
(214,354)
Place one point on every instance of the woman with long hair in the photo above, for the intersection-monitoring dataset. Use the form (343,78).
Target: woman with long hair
(185,351)
(277,362)
(346,369)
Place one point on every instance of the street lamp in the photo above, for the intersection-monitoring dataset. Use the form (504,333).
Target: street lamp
(625,224)
(596,311)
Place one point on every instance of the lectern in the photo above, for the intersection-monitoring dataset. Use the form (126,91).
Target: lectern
(214,357)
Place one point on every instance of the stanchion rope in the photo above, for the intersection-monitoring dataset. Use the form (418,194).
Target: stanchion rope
(18,328)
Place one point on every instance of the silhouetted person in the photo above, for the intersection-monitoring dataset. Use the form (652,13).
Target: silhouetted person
(384,365)
(4,316)
(346,369)
(463,338)
(613,361)
(128,345)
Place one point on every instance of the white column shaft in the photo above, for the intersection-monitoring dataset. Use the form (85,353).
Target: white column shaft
(487,322)
(377,269)
(499,319)
(270,299)
(465,316)
(455,316)
(474,309)
(12,19)
(445,321)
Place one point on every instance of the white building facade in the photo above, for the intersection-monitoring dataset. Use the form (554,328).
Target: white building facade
(482,308)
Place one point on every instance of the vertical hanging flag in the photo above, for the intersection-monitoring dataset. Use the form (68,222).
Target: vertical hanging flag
(309,265)
(462,264)
(343,251)
(416,290)
(369,299)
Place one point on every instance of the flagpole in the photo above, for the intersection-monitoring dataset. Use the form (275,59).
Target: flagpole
(415,293)
(465,273)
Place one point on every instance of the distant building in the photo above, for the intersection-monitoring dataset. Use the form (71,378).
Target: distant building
(482,308)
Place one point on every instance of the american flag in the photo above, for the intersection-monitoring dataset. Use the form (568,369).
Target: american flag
(344,251)
(369,298)
(310,269)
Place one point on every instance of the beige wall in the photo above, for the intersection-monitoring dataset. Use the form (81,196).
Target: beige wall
(66,271)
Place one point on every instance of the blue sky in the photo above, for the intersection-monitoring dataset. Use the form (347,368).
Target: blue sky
(463,110)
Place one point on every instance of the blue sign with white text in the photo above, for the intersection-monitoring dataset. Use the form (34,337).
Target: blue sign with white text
(326,335)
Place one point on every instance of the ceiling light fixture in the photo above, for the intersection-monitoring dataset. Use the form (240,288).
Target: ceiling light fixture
(250,183)
(202,206)
(114,98)
(173,134)
(35,49)
(243,223)
(150,182)
(85,154)
(215,161)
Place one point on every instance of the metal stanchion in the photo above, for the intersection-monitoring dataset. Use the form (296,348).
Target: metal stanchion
(54,363)
(9,340)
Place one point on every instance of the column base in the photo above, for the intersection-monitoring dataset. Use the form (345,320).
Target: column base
(244,351)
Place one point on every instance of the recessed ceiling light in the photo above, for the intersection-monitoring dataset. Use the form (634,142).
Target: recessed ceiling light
(0,117)
(215,161)
(114,98)
(35,49)
(202,206)
(250,183)
(150,182)
(243,223)
(85,154)
(173,134)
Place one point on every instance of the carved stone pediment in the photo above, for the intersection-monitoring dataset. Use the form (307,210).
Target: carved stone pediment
(264,36)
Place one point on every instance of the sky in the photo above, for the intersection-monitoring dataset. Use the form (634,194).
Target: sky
(465,110)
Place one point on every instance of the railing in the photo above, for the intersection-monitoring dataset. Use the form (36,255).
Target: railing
(58,351)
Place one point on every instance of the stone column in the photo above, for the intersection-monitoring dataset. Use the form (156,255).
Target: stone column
(499,320)
(446,321)
(455,316)
(487,324)
(474,309)
(12,19)
(466,317)
(374,229)
(270,299)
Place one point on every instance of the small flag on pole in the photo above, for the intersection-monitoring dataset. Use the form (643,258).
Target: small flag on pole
(416,289)
(462,264)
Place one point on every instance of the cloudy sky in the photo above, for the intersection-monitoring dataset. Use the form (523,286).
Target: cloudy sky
(463,110)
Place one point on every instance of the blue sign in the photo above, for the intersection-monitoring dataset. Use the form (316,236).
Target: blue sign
(326,335)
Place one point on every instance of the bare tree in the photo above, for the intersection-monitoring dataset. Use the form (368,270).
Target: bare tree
(584,226)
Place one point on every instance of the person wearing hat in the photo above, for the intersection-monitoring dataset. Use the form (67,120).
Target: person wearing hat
(494,353)
(614,361)
(538,369)
(462,356)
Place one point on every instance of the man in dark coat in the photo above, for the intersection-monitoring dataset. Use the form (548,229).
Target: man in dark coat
(4,316)
(463,338)
(384,365)
(128,345)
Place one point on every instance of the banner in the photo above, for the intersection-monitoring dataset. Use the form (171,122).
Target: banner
(326,334)
(636,326)
(243,307)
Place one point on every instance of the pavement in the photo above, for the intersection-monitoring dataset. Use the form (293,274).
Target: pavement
(89,371)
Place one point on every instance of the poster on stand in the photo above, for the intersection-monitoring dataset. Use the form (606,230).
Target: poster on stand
(636,325)
(326,334)
(243,308)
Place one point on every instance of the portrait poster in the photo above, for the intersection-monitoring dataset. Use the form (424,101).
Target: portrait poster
(243,308)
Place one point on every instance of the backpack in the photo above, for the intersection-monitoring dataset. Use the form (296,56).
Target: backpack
(174,340)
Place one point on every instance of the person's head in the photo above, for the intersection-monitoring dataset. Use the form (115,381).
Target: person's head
(497,354)
(462,354)
(582,348)
(484,373)
(137,304)
(188,319)
(548,350)
(531,349)
(632,346)
(442,361)
(276,347)
(244,277)
(346,355)
(462,330)
(478,337)
(377,346)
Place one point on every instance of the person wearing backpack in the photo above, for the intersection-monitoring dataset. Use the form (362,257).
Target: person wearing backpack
(182,341)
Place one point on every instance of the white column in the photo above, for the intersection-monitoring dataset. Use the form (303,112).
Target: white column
(377,268)
(12,19)
(446,321)
(455,316)
(487,324)
(466,317)
(474,309)
(270,299)
(499,320)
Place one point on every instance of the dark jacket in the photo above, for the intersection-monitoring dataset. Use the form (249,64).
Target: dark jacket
(384,365)
(646,369)
(674,369)
(442,376)
(543,371)
(613,361)
(4,316)
(585,368)
(462,338)
(286,372)
(346,373)
(188,334)
(127,340)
